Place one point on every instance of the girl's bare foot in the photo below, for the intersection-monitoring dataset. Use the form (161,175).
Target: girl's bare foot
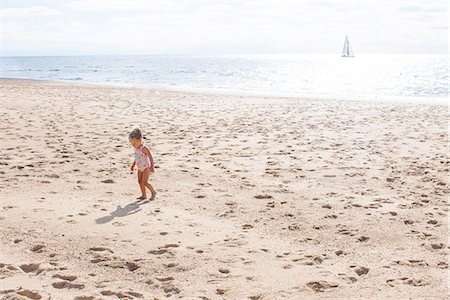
(141,197)
(153,196)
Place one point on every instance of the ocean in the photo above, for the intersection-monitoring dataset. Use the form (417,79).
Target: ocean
(366,76)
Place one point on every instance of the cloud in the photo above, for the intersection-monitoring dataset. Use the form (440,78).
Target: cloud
(199,27)
(29,12)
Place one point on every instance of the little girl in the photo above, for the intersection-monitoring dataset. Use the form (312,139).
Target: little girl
(144,161)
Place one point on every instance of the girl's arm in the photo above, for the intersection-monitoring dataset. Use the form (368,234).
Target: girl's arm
(132,166)
(147,152)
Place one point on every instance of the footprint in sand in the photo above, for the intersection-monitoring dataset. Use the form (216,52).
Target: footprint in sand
(363,238)
(29,268)
(348,279)
(170,246)
(407,280)
(436,246)
(121,295)
(256,297)
(100,249)
(221,291)
(362,271)
(159,252)
(170,290)
(164,279)
(321,286)
(263,196)
(65,277)
(37,248)
(170,265)
(247,226)
(67,285)
(29,294)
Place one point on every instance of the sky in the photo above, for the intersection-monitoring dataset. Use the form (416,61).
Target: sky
(95,27)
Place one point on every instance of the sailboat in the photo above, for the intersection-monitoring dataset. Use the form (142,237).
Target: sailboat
(347,51)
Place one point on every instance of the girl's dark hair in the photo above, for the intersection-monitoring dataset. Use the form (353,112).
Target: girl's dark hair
(136,133)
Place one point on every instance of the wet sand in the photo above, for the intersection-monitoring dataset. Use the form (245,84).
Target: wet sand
(258,197)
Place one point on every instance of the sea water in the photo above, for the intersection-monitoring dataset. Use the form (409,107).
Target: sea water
(367,76)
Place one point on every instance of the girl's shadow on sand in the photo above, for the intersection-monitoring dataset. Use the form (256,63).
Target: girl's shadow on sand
(129,209)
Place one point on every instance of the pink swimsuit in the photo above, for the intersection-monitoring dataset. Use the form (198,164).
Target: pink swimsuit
(142,160)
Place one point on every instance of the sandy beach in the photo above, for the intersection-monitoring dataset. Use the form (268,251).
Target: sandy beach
(258,197)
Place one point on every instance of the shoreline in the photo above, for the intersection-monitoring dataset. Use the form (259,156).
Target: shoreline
(243,93)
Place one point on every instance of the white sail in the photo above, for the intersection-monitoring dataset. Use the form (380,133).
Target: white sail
(347,51)
(344,51)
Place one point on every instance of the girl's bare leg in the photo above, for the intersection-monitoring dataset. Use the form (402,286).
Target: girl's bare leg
(145,176)
(142,186)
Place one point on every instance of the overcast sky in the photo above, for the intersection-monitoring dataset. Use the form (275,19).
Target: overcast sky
(222,27)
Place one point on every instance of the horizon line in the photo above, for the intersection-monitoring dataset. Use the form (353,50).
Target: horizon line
(225,54)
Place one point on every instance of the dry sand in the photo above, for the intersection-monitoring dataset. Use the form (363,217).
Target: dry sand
(259,198)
